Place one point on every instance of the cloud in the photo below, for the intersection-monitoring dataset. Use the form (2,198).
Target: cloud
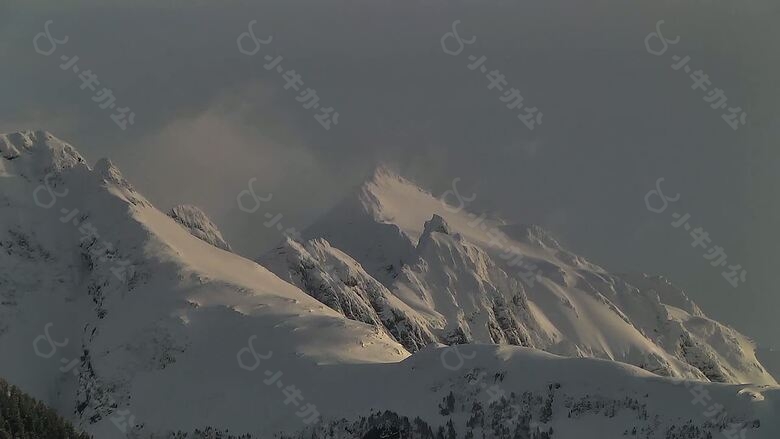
(208,118)
(206,159)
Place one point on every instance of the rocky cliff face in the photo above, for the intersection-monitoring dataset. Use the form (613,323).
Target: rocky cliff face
(338,281)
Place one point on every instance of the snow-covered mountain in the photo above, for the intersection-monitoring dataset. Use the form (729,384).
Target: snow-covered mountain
(467,278)
(128,323)
(140,300)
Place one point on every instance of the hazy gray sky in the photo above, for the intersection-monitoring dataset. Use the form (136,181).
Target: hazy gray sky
(616,118)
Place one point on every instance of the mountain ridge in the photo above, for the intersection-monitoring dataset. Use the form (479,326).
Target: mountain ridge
(475,278)
(136,318)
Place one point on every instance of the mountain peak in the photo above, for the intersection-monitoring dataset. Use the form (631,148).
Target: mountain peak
(436,224)
(111,173)
(45,152)
(385,178)
(385,172)
(386,195)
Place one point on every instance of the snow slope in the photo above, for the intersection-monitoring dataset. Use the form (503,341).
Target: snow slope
(184,306)
(477,279)
(335,279)
(167,338)
(510,392)
(199,224)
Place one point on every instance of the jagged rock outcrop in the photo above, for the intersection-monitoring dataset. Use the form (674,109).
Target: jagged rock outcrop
(335,279)
(199,224)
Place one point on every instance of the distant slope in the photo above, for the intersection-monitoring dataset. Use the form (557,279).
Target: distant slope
(507,392)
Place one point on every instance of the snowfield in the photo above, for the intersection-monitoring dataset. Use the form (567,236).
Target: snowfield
(124,318)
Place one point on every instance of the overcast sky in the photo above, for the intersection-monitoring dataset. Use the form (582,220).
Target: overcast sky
(616,117)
